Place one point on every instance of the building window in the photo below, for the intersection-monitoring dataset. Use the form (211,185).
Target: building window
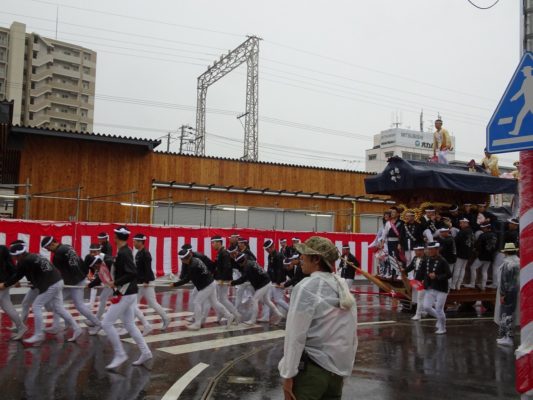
(413,156)
(67,53)
(372,157)
(31,116)
(83,127)
(87,56)
(86,70)
(83,113)
(85,84)
(389,154)
(34,54)
(84,98)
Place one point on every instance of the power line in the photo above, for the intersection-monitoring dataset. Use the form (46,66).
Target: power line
(483,8)
(153,21)
(340,61)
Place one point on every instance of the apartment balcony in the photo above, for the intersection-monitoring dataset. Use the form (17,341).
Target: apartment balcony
(39,120)
(64,101)
(90,64)
(39,76)
(39,91)
(67,58)
(40,61)
(64,116)
(39,105)
(60,70)
(88,90)
(65,86)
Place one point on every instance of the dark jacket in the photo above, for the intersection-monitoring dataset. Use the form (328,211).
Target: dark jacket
(275,269)
(447,249)
(512,237)
(249,254)
(418,265)
(347,271)
(487,246)
(206,260)
(125,271)
(254,274)
(107,249)
(7,269)
(464,243)
(143,262)
(295,275)
(412,235)
(38,270)
(224,270)
(195,272)
(67,261)
(440,267)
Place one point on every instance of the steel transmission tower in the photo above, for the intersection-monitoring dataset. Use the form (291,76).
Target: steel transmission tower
(247,52)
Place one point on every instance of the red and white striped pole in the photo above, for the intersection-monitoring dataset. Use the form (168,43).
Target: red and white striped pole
(524,353)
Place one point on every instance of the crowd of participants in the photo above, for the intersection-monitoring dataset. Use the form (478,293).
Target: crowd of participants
(435,249)
(123,278)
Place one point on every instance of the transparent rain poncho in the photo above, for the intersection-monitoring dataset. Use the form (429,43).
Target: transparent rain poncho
(322,319)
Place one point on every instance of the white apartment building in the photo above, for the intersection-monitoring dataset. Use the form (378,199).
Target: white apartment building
(405,143)
(52,83)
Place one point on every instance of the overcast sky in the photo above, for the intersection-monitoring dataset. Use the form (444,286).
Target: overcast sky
(344,68)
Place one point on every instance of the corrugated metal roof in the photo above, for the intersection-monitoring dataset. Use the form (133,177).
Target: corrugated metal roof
(149,143)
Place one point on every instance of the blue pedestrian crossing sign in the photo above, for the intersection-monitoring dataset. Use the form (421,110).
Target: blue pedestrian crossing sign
(511,126)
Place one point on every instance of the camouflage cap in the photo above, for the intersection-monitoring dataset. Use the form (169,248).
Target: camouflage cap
(319,246)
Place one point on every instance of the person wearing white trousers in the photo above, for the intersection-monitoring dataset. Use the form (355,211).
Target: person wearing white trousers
(417,268)
(7,269)
(258,278)
(197,273)
(487,246)
(123,303)
(436,272)
(224,275)
(48,282)
(278,275)
(145,278)
(74,275)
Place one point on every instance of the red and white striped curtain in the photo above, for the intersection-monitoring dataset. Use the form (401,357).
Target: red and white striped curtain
(164,242)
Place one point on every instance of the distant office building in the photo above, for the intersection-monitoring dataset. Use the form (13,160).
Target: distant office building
(405,143)
(51,82)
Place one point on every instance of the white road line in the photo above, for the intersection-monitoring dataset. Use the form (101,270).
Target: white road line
(186,334)
(375,323)
(177,388)
(176,324)
(217,343)
(148,317)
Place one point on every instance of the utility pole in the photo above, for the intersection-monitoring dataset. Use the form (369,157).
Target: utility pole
(168,142)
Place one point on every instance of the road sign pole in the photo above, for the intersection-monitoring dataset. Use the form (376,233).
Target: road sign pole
(524,353)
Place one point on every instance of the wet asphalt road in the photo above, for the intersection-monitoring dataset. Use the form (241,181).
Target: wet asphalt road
(396,359)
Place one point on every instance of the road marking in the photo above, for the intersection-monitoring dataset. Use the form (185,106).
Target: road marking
(218,343)
(148,317)
(376,323)
(186,334)
(177,388)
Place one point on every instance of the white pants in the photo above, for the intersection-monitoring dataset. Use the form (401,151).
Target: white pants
(278,297)
(223,298)
(54,297)
(442,154)
(418,299)
(434,301)
(7,306)
(496,264)
(484,272)
(241,292)
(458,273)
(450,280)
(409,255)
(104,296)
(263,295)
(76,294)
(27,301)
(148,292)
(123,310)
(208,296)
